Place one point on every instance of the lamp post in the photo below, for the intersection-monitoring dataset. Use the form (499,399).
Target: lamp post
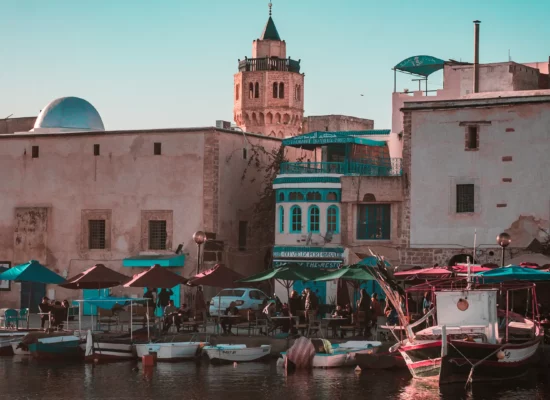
(199,237)
(503,240)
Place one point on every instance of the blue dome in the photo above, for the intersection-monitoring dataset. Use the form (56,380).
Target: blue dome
(69,114)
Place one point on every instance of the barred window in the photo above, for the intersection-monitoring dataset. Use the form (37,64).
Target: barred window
(96,234)
(465,198)
(157,235)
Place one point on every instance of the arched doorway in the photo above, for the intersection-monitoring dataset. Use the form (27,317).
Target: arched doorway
(460,259)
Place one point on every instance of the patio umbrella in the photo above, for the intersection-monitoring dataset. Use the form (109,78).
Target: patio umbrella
(354,275)
(511,273)
(33,272)
(219,276)
(156,277)
(474,269)
(96,277)
(372,261)
(423,273)
(286,275)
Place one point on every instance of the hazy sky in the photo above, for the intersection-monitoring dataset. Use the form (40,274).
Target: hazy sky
(170,63)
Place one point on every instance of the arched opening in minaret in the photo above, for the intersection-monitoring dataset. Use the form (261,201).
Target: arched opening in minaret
(269,118)
(257,90)
(237,90)
(286,119)
(262,119)
(277,118)
(281,90)
(275,90)
(250,90)
(254,120)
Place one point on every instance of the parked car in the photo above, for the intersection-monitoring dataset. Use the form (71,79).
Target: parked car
(244,298)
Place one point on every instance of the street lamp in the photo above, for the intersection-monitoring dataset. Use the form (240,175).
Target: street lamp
(199,237)
(503,240)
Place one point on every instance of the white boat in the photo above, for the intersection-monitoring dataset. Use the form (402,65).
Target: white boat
(18,351)
(356,347)
(7,340)
(106,351)
(172,351)
(228,353)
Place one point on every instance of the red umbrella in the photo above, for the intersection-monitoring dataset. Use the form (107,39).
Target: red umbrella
(219,276)
(96,277)
(425,273)
(474,269)
(156,277)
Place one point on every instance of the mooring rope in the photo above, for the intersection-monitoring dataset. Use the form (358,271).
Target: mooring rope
(471,374)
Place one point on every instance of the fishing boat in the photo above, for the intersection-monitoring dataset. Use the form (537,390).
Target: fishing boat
(470,334)
(101,350)
(56,348)
(171,351)
(228,353)
(383,358)
(7,340)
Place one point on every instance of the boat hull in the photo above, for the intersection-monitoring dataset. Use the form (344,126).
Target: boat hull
(107,352)
(6,349)
(170,352)
(380,361)
(19,351)
(60,351)
(230,355)
(424,360)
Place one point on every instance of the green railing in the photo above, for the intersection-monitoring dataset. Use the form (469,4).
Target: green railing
(364,167)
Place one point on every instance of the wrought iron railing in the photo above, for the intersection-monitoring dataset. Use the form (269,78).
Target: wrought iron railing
(269,64)
(364,167)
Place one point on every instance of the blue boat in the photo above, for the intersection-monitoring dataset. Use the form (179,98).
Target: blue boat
(57,348)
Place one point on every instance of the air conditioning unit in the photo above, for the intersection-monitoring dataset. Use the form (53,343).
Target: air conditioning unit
(223,124)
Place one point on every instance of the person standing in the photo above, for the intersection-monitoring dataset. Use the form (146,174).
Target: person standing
(364,305)
(200,306)
(376,309)
(312,302)
(163,298)
(45,309)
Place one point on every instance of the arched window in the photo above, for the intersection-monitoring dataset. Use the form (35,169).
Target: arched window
(257,90)
(250,90)
(314,220)
(294,196)
(282,196)
(296,219)
(312,196)
(332,196)
(281,90)
(299,93)
(237,90)
(333,223)
(275,90)
(281,219)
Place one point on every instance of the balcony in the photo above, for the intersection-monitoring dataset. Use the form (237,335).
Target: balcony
(364,167)
(269,64)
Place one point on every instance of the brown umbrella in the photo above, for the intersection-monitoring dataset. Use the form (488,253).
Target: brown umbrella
(219,276)
(156,277)
(96,277)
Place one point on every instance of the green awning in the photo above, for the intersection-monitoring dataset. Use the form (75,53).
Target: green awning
(420,65)
(310,141)
(324,264)
(164,260)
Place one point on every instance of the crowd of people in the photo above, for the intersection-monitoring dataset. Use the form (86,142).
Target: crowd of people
(54,312)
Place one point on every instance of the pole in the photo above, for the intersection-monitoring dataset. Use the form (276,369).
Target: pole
(394,80)
(476,56)
(198,258)
(132,321)
(506,315)
(502,256)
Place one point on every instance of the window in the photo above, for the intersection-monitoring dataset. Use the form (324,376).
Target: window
(157,149)
(332,196)
(374,222)
(250,90)
(282,196)
(257,90)
(245,155)
(332,219)
(35,151)
(294,196)
(314,219)
(243,233)
(96,149)
(281,219)
(157,235)
(296,219)
(281,90)
(472,142)
(96,234)
(465,198)
(237,90)
(275,90)
(311,196)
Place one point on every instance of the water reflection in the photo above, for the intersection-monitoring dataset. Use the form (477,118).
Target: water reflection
(26,379)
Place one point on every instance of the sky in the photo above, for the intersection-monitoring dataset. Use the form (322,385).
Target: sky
(170,63)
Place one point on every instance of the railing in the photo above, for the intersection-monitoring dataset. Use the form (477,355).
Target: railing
(365,167)
(269,64)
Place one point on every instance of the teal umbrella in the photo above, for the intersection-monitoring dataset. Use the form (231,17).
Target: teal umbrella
(33,272)
(372,261)
(511,273)
(350,273)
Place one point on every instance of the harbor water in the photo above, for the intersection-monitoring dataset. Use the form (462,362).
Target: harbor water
(22,378)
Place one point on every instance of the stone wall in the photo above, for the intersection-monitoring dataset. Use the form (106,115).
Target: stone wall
(14,125)
(334,123)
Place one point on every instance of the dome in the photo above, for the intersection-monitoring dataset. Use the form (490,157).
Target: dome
(68,114)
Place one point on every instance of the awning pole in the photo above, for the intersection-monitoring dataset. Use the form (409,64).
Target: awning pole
(132,321)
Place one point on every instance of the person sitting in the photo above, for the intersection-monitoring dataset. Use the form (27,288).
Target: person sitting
(184,312)
(340,317)
(171,316)
(227,323)
(58,314)
(44,308)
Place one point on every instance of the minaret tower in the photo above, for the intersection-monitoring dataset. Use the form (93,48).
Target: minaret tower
(269,88)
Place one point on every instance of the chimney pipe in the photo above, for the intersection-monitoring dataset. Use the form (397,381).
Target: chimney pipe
(476,56)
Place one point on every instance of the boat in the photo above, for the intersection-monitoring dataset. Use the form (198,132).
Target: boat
(470,334)
(7,340)
(171,351)
(56,348)
(18,350)
(383,358)
(228,353)
(103,350)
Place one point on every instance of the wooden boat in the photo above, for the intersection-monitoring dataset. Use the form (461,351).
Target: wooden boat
(102,350)
(7,340)
(228,353)
(56,348)
(171,351)
(381,359)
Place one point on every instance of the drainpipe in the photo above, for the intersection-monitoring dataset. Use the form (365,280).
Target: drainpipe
(476,56)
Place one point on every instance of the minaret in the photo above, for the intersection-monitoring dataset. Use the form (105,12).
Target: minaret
(269,88)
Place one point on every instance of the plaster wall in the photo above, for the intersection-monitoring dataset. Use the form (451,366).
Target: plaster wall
(13,125)
(268,48)
(335,123)
(509,172)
